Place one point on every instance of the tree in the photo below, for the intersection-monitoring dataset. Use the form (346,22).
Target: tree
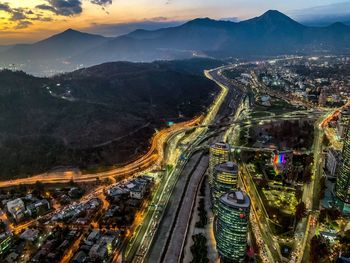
(323,216)
(39,188)
(199,249)
(333,214)
(326,140)
(298,193)
(23,189)
(300,211)
(71,182)
(2,226)
(307,174)
(318,249)
(322,187)
(263,183)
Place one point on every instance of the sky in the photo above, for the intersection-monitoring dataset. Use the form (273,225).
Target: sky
(26,21)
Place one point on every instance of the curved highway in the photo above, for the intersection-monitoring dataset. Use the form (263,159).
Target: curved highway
(150,160)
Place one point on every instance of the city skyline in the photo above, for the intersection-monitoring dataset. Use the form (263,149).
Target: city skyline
(30,21)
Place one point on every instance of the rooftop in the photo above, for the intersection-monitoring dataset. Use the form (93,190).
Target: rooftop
(236,199)
(229,167)
(221,145)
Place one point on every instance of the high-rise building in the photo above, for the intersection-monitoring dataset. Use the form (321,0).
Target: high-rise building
(342,188)
(218,153)
(232,226)
(343,123)
(224,180)
(332,162)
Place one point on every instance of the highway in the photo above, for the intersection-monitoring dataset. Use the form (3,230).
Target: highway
(268,249)
(151,160)
(177,235)
(140,243)
(164,150)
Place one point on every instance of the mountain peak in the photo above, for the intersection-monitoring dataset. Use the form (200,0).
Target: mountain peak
(273,13)
(274,18)
(201,21)
(71,31)
(70,34)
(338,25)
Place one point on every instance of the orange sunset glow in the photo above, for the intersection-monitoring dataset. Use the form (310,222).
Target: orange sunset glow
(32,20)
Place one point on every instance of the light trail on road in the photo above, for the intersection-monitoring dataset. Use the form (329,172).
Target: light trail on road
(143,239)
(151,159)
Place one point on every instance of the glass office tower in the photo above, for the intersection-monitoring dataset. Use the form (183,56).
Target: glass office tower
(218,153)
(232,226)
(224,180)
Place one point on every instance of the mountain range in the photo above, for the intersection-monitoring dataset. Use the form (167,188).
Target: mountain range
(272,33)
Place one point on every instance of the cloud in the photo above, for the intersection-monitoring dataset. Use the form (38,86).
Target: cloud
(101,2)
(69,7)
(46,8)
(323,14)
(335,8)
(62,7)
(21,17)
(158,19)
(232,19)
(40,17)
(5,7)
(18,14)
(23,24)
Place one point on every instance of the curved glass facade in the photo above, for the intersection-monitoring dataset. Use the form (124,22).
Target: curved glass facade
(218,153)
(224,180)
(232,226)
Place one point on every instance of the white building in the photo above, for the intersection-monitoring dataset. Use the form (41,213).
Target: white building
(16,208)
(137,191)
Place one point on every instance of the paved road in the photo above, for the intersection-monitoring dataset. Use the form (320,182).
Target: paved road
(174,238)
(140,244)
(151,159)
(160,240)
(178,234)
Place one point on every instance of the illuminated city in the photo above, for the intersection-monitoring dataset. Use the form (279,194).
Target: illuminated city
(174,131)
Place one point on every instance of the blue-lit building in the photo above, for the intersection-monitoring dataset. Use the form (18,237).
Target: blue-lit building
(231,230)
(224,180)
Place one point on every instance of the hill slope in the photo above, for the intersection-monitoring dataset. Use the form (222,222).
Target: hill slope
(101,115)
